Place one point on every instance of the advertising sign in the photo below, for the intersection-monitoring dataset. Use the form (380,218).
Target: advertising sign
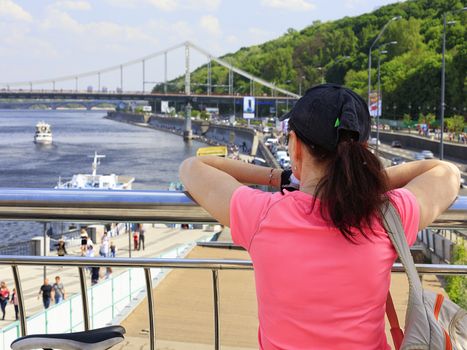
(248,107)
(147,108)
(373,105)
(165,107)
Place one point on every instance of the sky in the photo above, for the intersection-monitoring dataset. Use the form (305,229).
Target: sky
(45,39)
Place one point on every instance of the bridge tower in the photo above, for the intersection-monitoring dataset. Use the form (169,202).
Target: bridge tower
(187,69)
(187,133)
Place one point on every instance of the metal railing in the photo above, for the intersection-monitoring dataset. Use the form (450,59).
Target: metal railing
(146,206)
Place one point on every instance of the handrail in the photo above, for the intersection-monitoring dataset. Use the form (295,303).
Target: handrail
(205,264)
(137,206)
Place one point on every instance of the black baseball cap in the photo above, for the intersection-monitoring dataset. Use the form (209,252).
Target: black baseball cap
(322,114)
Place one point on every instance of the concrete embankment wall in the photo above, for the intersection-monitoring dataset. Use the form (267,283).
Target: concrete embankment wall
(246,139)
(418,142)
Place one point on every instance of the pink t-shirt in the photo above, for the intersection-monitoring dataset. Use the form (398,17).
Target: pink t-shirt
(316,290)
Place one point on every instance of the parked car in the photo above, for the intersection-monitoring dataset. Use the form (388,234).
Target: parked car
(418,156)
(397,160)
(373,141)
(427,154)
(285,162)
(259,161)
(396,144)
(280,155)
(269,142)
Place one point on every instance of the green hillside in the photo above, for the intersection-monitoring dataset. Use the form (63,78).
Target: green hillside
(410,71)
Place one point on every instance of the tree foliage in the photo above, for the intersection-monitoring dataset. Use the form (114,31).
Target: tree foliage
(338,52)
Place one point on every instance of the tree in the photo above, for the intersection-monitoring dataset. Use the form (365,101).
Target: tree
(455,124)
(427,119)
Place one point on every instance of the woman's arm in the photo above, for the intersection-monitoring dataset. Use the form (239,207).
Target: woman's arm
(434,183)
(212,181)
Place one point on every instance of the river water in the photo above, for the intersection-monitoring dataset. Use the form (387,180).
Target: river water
(149,155)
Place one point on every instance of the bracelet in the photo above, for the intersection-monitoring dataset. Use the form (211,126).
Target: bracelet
(270,176)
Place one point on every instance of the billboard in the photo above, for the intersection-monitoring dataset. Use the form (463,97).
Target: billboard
(248,107)
(375,105)
(165,107)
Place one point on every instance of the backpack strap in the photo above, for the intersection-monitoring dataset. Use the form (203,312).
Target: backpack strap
(393,226)
(395,230)
(396,331)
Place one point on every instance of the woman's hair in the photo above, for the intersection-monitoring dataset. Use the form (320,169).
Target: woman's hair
(353,187)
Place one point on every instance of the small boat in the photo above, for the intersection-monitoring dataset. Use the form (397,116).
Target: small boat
(43,133)
(97,182)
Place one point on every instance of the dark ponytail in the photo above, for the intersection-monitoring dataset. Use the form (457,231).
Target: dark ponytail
(353,187)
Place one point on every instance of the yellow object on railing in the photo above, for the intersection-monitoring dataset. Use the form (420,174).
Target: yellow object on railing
(220,151)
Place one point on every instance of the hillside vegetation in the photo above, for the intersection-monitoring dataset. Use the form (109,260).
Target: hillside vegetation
(410,71)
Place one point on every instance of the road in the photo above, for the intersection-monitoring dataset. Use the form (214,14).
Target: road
(407,154)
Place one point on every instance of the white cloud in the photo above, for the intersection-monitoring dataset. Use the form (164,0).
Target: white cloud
(58,19)
(211,25)
(233,40)
(11,11)
(291,5)
(79,5)
(351,4)
(164,5)
(169,5)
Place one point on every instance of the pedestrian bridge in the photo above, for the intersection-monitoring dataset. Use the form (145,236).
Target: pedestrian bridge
(143,206)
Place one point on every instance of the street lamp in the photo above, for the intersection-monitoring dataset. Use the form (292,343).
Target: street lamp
(300,85)
(380,103)
(380,100)
(442,106)
(369,53)
(322,73)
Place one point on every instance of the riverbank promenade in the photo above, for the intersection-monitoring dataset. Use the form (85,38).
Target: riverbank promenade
(184,298)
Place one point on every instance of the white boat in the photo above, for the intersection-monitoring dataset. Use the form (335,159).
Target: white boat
(97,182)
(43,133)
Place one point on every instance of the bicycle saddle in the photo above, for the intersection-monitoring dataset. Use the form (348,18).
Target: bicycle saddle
(95,339)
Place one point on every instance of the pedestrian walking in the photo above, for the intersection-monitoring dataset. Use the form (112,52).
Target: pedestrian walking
(61,249)
(59,290)
(104,248)
(135,240)
(47,292)
(141,236)
(15,302)
(84,241)
(113,249)
(4,297)
(94,275)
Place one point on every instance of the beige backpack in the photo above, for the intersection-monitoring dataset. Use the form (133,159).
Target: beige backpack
(432,322)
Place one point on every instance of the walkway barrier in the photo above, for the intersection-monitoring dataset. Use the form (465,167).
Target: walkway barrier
(140,206)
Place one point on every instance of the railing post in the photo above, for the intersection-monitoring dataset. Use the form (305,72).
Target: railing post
(84,297)
(152,329)
(19,295)
(215,289)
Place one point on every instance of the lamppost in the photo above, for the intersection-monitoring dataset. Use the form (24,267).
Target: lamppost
(322,73)
(300,85)
(369,53)
(380,100)
(442,106)
(380,103)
